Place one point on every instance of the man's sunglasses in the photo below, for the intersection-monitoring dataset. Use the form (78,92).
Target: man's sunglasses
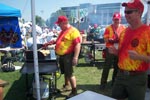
(129,11)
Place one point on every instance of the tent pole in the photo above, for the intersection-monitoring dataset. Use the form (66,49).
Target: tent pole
(36,68)
(148,13)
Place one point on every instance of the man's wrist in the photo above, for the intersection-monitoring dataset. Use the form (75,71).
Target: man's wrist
(144,58)
(75,57)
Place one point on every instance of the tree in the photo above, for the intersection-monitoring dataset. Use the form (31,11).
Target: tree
(39,21)
(50,22)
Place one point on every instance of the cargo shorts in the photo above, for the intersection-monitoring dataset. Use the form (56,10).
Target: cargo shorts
(66,66)
(131,86)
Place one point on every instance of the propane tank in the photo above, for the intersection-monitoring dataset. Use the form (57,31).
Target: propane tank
(44,89)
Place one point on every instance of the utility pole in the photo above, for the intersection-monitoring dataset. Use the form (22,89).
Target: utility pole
(78,17)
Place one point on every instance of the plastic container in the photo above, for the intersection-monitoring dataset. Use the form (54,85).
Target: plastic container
(44,89)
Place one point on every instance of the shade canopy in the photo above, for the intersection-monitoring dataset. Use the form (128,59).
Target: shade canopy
(7,11)
(9,27)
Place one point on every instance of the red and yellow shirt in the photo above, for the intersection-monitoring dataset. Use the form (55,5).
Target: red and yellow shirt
(109,33)
(67,41)
(137,40)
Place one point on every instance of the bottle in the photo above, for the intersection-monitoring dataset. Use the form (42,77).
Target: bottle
(52,54)
(44,89)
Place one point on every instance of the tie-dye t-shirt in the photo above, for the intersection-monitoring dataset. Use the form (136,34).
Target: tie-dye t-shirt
(137,40)
(109,33)
(67,41)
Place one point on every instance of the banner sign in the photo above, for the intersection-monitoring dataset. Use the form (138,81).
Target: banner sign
(10,32)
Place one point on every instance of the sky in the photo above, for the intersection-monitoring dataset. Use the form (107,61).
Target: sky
(44,8)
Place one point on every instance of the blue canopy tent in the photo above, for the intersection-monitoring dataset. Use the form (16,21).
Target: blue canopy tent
(9,27)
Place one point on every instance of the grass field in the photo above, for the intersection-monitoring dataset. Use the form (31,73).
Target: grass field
(88,78)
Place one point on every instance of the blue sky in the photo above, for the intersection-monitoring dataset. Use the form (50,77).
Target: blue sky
(44,8)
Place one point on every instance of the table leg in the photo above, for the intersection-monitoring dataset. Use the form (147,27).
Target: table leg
(94,54)
(29,90)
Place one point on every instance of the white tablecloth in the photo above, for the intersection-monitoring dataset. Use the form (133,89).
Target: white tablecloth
(89,95)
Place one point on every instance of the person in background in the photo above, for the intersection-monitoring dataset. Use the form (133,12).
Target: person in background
(94,33)
(133,54)
(111,36)
(101,39)
(67,47)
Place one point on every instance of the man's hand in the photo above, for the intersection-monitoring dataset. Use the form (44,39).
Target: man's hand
(48,43)
(75,61)
(113,50)
(133,54)
(113,40)
(45,46)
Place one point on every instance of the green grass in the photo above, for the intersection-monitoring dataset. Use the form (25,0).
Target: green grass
(88,78)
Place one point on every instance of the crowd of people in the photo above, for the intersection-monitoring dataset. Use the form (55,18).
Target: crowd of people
(43,35)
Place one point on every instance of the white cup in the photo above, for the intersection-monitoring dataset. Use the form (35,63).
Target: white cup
(116,45)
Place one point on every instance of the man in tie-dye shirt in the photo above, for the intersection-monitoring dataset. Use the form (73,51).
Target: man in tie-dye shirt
(67,47)
(111,35)
(134,55)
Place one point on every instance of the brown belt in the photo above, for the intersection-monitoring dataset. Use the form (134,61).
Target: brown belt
(125,72)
